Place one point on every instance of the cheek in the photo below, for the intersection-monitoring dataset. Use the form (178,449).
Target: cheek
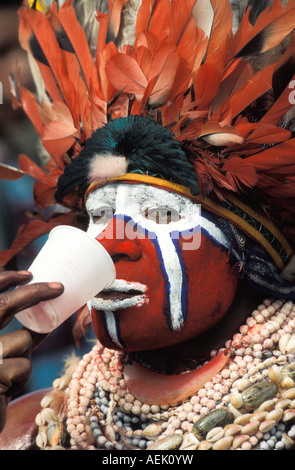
(212,284)
(143,326)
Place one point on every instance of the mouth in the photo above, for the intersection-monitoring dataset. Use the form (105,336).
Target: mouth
(121,294)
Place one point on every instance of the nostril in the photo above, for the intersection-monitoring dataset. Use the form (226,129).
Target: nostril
(124,249)
(120,257)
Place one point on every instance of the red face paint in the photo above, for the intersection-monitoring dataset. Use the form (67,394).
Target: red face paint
(211,286)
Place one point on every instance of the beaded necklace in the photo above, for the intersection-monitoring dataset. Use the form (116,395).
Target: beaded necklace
(250,404)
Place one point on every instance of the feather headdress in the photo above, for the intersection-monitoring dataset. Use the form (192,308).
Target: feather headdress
(223,98)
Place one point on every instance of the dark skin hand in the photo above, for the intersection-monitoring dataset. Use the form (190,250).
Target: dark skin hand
(16,347)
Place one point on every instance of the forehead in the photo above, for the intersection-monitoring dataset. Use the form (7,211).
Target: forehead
(128,194)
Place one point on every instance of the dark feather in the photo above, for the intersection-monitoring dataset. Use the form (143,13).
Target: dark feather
(148,147)
(257,7)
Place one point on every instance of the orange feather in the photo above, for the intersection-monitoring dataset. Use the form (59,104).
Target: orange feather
(271,27)
(125,74)
(115,7)
(37,38)
(221,34)
(8,172)
(274,158)
(240,173)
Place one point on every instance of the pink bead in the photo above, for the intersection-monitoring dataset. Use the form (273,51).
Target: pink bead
(225,373)
(70,428)
(246,445)
(76,420)
(188,407)
(202,393)
(182,415)
(175,423)
(84,401)
(211,404)
(204,410)
(234,376)
(197,408)
(217,396)
(210,393)
(244,329)
(216,379)
(191,416)
(267,344)
(204,401)
(185,426)
(250,322)
(82,410)
(83,445)
(248,359)
(194,399)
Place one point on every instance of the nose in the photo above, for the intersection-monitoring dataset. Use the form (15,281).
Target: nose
(115,240)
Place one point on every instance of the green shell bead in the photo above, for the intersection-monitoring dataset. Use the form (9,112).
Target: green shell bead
(219,417)
(257,394)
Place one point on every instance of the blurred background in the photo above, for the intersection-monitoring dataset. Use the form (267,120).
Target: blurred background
(17,136)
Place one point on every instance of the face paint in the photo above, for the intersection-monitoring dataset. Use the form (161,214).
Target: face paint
(152,235)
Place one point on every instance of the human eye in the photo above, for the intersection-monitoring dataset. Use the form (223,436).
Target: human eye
(162,215)
(102,215)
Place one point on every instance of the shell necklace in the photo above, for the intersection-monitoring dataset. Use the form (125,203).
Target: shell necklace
(249,404)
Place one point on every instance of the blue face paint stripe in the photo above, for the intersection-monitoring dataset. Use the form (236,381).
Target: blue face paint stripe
(117,340)
(152,236)
(184,287)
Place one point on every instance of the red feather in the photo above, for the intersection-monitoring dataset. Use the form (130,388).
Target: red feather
(274,158)
(10,173)
(221,35)
(125,74)
(271,27)
(240,173)
(35,32)
(206,81)
(115,7)
(260,83)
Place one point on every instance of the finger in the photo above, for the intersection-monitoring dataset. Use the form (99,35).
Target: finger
(3,406)
(36,338)
(16,344)
(26,296)
(13,278)
(14,375)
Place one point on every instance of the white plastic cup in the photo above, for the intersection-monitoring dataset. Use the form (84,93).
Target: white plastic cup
(80,263)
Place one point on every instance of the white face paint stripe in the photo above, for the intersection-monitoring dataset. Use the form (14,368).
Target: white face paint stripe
(214,232)
(173,273)
(112,328)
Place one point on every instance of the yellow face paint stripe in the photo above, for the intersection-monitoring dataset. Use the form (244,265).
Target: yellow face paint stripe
(218,209)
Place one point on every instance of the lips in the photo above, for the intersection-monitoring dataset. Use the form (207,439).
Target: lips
(121,294)
(115,295)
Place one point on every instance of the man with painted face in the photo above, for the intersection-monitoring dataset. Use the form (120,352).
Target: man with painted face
(176,262)
(144,222)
